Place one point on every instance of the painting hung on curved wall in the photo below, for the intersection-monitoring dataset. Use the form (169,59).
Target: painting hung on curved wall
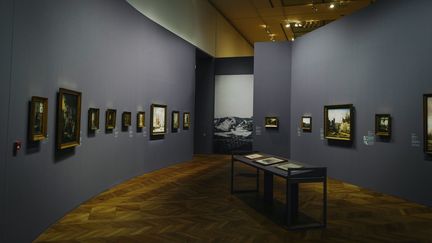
(383,125)
(427,116)
(38,118)
(110,119)
(68,119)
(93,119)
(158,120)
(233,111)
(338,122)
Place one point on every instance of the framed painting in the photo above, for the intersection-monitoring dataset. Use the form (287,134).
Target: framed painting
(38,118)
(93,119)
(126,119)
(175,118)
(271,122)
(158,121)
(306,123)
(68,118)
(383,125)
(427,122)
(110,119)
(338,122)
(186,120)
(140,119)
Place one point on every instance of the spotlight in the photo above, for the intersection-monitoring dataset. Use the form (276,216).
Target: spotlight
(292,39)
(296,25)
(332,5)
(287,25)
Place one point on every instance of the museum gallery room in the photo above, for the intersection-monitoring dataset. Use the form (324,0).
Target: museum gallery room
(215,121)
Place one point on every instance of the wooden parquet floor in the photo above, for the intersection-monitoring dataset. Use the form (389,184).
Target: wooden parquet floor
(191,202)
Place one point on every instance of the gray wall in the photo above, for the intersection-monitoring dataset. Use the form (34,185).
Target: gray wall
(117,58)
(6,10)
(234,65)
(379,60)
(204,103)
(272,94)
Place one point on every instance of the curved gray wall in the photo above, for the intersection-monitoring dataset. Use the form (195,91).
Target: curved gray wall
(117,58)
(379,59)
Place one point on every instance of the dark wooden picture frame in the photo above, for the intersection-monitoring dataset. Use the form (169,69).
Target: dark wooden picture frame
(93,119)
(126,119)
(175,121)
(271,122)
(306,123)
(186,120)
(158,120)
(140,120)
(110,119)
(38,120)
(68,119)
(383,125)
(339,125)
(427,123)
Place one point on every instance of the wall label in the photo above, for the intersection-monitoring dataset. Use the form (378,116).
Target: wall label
(299,131)
(257,130)
(369,140)
(415,142)
(322,133)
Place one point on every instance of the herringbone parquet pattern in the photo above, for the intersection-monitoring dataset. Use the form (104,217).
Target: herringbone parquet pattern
(191,202)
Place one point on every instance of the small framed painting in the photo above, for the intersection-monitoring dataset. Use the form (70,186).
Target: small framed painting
(158,121)
(93,119)
(338,122)
(427,122)
(68,119)
(383,125)
(186,120)
(110,119)
(38,118)
(175,118)
(271,122)
(126,119)
(140,119)
(306,123)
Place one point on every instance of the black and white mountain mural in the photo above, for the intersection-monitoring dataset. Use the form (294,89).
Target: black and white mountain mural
(233,122)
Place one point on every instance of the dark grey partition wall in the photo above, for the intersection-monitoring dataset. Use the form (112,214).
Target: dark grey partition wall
(272,94)
(118,59)
(6,10)
(373,60)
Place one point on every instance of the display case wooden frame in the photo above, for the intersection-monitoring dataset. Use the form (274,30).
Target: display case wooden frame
(175,121)
(110,119)
(271,122)
(427,123)
(304,126)
(332,129)
(93,119)
(126,119)
(140,122)
(158,121)
(383,125)
(186,120)
(38,120)
(68,119)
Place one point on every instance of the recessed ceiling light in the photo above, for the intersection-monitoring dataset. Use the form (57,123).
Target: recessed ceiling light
(296,25)
(292,39)
(300,25)
(287,25)
(332,5)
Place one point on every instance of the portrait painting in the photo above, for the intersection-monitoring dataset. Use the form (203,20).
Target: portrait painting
(186,120)
(140,119)
(68,119)
(126,119)
(175,121)
(110,119)
(38,118)
(93,119)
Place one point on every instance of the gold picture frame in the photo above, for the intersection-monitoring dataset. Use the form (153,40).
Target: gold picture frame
(93,119)
(306,123)
(38,121)
(140,120)
(126,119)
(271,122)
(68,118)
(110,119)
(383,125)
(175,121)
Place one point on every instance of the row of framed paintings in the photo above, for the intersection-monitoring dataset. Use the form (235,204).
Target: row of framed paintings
(69,119)
(339,123)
